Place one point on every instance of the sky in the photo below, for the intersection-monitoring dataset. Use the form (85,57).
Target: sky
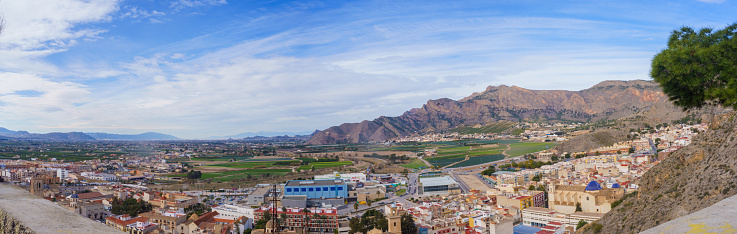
(202,68)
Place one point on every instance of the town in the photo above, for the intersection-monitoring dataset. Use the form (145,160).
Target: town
(247,187)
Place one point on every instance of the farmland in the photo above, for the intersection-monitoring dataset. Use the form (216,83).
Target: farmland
(320,165)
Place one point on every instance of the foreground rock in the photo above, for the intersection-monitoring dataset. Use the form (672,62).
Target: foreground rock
(23,212)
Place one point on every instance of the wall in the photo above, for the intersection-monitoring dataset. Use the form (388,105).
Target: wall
(22,212)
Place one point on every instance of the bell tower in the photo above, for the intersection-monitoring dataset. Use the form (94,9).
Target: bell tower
(37,186)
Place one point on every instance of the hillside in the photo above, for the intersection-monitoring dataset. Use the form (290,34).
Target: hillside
(692,178)
(54,136)
(606,100)
(592,140)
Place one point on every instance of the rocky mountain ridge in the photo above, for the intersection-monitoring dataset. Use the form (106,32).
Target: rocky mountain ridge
(606,100)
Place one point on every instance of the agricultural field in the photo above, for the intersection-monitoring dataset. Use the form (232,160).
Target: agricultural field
(414,164)
(479,160)
(444,161)
(490,128)
(320,165)
(252,164)
(233,175)
(522,148)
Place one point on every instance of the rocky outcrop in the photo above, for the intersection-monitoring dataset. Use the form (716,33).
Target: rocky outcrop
(606,100)
(8,224)
(592,140)
(692,178)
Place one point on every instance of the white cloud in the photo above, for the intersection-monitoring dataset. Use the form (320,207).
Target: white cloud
(52,100)
(37,28)
(138,13)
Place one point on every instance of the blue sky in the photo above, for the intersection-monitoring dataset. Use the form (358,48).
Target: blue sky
(200,68)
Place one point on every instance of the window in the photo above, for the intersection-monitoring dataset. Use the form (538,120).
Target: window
(289,189)
(324,188)
(332,188)
(312,189)
(304,189)
(340,188)
(317,189)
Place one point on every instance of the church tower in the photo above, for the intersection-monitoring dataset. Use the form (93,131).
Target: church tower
(395,221)
(37,186)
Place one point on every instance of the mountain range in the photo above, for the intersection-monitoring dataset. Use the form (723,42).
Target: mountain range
(79,136)
(263,135)
(605,101)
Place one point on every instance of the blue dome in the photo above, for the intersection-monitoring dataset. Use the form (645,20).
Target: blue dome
(615,185)
(593,186)
(74,196)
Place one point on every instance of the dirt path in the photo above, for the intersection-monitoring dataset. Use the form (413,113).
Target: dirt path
(509,146)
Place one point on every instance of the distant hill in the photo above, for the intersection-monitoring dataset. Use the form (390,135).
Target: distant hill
(79,136)
(54,136)
(140,137)
(604,101)
(262,134)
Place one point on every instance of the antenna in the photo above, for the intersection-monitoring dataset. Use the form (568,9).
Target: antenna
(274,215)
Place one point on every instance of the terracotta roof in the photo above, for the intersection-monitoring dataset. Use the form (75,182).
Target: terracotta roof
(126,222)
(89,195)
(206,218)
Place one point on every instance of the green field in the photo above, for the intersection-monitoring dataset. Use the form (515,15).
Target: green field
(320,165)
(414,164)
(254,164)
(443,161)
(523,148)
(479,160)
(400,192)
(233,175)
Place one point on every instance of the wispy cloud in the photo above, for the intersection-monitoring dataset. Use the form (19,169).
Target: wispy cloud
(180,4)
(297,66)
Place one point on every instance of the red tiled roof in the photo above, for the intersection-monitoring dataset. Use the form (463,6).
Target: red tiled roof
(89,195)
(206,218)
(126,222)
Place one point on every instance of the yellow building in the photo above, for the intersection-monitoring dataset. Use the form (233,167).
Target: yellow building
(592,197)
(520,202)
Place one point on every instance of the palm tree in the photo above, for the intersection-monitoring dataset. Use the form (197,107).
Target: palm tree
(306,219)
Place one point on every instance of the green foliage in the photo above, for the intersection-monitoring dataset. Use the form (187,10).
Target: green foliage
(247,231)
(537,178)
(193,175)
(368,221)
(580,224)
(408,224)
(489,171)
(578,207)
(129,206)
(699,68)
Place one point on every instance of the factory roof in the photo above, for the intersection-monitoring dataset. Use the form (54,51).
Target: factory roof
(436,181)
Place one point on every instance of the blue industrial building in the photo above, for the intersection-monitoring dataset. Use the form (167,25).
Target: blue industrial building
(317,189)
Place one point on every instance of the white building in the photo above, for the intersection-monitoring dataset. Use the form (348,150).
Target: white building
(103,176)
(349,177)
(540,217)
(62,173)
(233,212)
